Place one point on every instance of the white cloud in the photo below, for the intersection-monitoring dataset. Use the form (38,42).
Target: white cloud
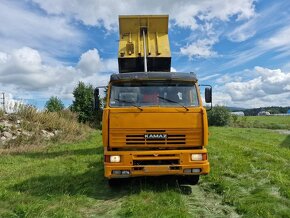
(259,23)
(53,32)
(280,39)
(53,36)
(279,42)
(3,57)
(267,87)
(221,98)
(271,29)
(243,32)
(209,77)
(200,49)
(94,68)
(172,69)
(89,62)
(23,72)
(184,13)
(202,17)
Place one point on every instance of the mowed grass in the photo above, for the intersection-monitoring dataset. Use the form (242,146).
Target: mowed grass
(67,181)
(250,170)
(249,177)
(267,122)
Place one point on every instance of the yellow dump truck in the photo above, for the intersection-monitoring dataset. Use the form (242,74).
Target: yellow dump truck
(154,122)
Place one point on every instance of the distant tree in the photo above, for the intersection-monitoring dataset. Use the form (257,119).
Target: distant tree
(219,116)
(54,104)
(83,104)
(272,110)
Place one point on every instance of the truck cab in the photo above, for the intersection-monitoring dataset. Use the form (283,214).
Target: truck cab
(154,124)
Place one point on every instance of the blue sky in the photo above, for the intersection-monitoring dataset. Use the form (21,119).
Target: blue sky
(241,47)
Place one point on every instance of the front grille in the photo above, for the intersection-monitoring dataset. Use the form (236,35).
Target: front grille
(155,162)
(172,139)
(132,138)
(154,155)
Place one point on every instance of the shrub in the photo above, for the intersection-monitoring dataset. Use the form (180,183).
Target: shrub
(54,104)
(219,116)
(84,105)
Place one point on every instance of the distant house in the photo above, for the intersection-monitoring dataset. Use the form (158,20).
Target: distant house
(238,113)
(264,113)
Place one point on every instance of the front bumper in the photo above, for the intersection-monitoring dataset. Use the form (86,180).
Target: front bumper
(155,163)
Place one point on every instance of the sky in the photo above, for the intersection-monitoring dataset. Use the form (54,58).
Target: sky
(241,47)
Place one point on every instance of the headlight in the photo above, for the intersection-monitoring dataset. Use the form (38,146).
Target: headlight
(196,156)
(115,159)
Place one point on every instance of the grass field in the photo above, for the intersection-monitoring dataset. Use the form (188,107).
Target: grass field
(249,177)
(267,122)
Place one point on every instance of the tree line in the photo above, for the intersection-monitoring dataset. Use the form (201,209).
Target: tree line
(83,104)
(271,110)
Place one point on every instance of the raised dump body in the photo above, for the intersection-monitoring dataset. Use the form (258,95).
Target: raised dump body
(144,39)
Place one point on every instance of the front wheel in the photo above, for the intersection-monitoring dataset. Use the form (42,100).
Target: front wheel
(113,183)
(191,180)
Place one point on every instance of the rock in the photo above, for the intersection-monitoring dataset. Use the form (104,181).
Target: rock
(44,132)
(18,121)
(7,124)
(3,138)
(47,134)
(8,135)
(25,133)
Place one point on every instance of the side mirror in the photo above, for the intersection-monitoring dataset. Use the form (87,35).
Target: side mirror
(96,99)
(208,95)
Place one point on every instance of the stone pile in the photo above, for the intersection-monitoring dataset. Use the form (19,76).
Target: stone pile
(11,130)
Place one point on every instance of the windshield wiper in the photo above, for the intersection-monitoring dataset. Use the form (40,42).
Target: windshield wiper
(169,100)
(130,102)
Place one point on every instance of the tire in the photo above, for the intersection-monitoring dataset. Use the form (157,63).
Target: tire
(193,180)
(190,180)
(113,183)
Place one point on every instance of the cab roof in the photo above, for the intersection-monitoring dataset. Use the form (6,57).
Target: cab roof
(153,76)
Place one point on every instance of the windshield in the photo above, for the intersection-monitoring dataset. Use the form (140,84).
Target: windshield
(153,93)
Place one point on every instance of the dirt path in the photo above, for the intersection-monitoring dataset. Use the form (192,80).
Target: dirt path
(283,131)
(204,204)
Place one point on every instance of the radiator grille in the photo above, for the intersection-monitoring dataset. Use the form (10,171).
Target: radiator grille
(155,162)
(132,138)
(172,139)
